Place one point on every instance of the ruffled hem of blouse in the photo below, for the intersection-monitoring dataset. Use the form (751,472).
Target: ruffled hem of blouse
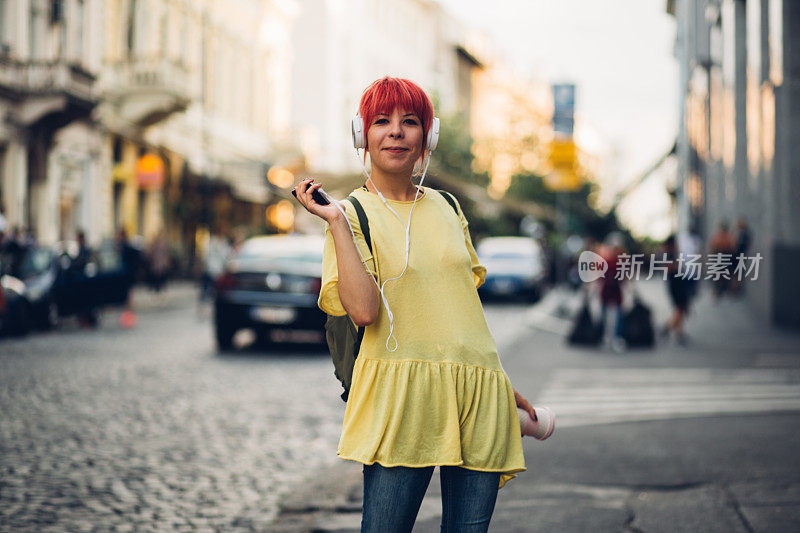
(421,413)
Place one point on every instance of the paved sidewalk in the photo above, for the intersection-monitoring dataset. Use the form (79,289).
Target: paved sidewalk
(692,484)
(176,294)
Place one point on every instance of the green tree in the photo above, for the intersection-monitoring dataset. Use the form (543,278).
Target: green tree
(582,219)
(453,154)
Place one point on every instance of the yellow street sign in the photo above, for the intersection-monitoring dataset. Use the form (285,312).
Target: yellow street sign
(563,153)
(563,157)
(561,180)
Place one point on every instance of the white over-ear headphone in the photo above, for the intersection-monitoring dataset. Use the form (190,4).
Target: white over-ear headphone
(360,137)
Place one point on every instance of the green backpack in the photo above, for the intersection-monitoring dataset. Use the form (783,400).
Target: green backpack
(344,338)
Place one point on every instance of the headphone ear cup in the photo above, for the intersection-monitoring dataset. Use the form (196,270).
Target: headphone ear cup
(357,127)
(433,135)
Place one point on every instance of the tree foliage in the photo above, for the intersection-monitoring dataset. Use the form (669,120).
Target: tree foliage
(582,218)
(453,154)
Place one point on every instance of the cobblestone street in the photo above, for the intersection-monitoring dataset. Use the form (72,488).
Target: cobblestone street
(152,429)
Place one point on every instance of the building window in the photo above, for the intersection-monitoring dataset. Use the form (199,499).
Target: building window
(141,211)
(3,31)
(117,150)
(78,30)
(36,26)
(776,42)
(184,44)
(163,31)
(56,11)
(3,150)
(131,26)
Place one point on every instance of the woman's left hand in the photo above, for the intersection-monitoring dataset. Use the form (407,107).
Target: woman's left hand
(524,404)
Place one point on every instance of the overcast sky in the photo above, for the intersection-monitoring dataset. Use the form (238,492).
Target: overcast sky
(619,54)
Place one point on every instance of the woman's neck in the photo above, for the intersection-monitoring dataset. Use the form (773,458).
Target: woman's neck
(392,187)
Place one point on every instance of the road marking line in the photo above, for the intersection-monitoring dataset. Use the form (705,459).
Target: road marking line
(592,396)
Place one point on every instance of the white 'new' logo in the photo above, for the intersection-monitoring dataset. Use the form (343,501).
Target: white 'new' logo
(591,266)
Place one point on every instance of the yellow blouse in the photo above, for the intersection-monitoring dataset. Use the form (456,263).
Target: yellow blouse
(442,398)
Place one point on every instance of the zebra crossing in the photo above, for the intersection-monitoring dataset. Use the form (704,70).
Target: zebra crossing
(587,396)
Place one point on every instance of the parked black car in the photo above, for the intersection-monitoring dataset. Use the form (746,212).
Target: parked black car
(271,284)
(98,282)
(14,307)
(42,284)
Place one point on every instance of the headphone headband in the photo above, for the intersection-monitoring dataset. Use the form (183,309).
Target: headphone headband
(360,137)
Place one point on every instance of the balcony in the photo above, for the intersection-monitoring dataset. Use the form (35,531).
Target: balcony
(146,91)
(59,90)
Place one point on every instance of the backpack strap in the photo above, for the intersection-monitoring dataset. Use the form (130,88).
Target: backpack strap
(363,221)
(450,199)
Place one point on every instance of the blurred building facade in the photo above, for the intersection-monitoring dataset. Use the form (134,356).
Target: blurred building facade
(738,145)
(141,114)
(204,89)
(340,47)
(511,127)
(170,115)
(51,165)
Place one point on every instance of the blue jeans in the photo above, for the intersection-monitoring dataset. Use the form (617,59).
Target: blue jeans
(619,315)
(392,496)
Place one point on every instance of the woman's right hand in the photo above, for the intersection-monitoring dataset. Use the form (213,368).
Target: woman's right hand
(304,189)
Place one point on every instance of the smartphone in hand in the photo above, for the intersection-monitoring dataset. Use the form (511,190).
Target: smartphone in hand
(316,195)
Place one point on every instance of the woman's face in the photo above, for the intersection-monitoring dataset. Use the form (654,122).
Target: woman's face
(394,141)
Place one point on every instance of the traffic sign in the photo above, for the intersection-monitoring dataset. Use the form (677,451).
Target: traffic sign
(563,180)
(564,108)
(563,154)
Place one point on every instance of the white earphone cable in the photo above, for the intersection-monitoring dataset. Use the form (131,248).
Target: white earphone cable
(406,227)
(380,289)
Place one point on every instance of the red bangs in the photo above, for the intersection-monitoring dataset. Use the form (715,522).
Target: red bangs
(386,94)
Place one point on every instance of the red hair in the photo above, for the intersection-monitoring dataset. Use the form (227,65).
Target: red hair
(384,95)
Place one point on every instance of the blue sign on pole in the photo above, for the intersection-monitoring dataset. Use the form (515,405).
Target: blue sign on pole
(564,108)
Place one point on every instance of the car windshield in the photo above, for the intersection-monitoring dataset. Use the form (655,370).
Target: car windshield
(34,262)
(507,255)
(307,257)
(108,258)
(282,251)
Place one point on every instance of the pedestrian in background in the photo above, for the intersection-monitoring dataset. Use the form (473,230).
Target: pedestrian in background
(678,289)
(722,243)
(217,253)
(743,239)
(87,317)
(29,238)
(13,250)
(159,262)
(690,247)
(438,396)
(131,263)
(611,293)
(238,236)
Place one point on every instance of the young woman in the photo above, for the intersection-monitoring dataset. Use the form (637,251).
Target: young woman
(428,388)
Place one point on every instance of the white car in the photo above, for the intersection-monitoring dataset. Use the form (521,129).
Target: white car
(515,267)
